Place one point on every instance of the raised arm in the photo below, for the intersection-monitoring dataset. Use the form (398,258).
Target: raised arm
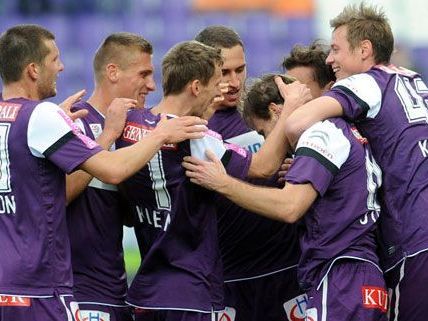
(305,116)
(270,156)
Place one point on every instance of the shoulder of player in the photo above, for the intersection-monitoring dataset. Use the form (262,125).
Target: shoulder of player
(327,132)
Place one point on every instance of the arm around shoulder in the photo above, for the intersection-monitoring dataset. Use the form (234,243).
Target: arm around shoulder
(305,116)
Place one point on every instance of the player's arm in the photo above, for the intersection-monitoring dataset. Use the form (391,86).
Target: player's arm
(308,114)
(114,167)
(287,204)
(269,158)
(113,126)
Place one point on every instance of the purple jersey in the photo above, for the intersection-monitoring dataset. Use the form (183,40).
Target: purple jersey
(388,105)
(176,225)
(250,244)
(335,159)
(38,144)
(95,223)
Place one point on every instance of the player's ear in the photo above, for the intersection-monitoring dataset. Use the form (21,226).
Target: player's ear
(195,87)
(112,72)
(275,109)
(366,49)
(33,70)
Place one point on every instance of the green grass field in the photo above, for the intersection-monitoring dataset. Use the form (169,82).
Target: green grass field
(132,261)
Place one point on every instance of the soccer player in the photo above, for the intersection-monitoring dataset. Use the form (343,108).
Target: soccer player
(389,106)
(332,186)
(39,142)
(307,65)
(259,255)
(123,73)
(180,277)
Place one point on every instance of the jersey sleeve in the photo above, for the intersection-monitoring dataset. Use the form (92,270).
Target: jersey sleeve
(359,95)
(52,134)
(235,159)
(321,151)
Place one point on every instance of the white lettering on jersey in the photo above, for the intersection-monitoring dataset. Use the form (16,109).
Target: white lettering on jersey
(325,139)
(9,111)
(366,89)
(423,147)
(7,204)
(153,217)
(251,141)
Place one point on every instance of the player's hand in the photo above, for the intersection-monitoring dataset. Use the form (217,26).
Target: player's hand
(181,128)
(115,117)
(217,101)
(68,103)
(210,174)
(285,166)
(295,94)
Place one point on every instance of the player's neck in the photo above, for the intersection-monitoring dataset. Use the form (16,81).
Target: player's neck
(99,101)
(172,105)
(20,89)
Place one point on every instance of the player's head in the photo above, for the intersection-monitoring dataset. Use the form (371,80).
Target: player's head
(234,69)
(361,38)
(307,65)
(124,61)
(263,103)
(194,68)
(29,52)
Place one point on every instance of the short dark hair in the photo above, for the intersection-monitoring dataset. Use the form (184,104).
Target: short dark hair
(219,36)
(20,46)
(186,62)
(314,56)
(115,48)
(260,94)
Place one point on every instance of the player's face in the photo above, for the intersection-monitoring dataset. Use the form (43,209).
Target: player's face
(305,75)
(264,126)
(52,65)
(234,72)
(344,61)
(136,80)
(208,93)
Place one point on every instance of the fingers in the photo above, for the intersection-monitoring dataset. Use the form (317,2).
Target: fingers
(192,160)
(192,120)
(279,82)
(75,97)
(70,100)
(211,156)
(79,114)
(194,135)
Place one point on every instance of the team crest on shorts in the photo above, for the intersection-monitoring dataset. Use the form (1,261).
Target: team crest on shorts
(94,315)
(296,307)
(311,314)
(228,314)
